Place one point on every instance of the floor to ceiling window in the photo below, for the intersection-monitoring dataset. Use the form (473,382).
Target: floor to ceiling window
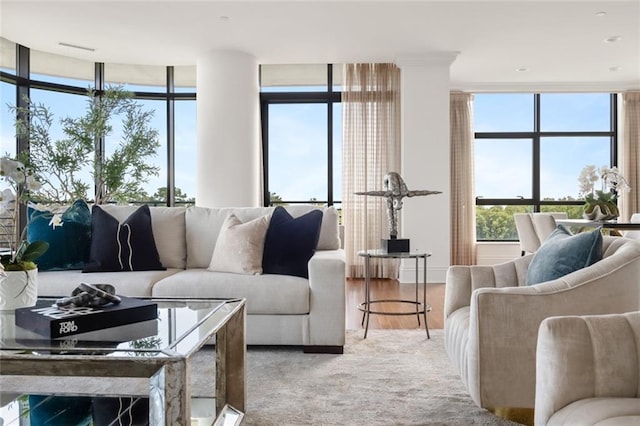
(530,150)
(61,84)
(301,133)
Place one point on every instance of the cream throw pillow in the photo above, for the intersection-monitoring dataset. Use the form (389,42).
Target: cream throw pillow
(240,245)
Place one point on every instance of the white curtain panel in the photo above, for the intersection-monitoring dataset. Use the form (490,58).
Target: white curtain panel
(631,152)
(463,212)
(371,148)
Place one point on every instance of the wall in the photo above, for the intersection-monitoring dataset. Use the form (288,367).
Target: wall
(425,159)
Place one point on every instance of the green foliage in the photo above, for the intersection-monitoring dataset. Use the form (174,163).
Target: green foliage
(180,197)
(25,256)
(497,222)
(275,198)
(117,176)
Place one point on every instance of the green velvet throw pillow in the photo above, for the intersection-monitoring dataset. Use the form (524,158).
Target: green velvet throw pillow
(563,253)
(68,233)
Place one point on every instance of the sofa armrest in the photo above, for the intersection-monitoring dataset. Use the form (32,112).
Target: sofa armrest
(328,298)
(581,357)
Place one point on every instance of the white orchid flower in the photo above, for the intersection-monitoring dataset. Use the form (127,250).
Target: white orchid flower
(32,184)
(56,221)
(7,200)
(9,167)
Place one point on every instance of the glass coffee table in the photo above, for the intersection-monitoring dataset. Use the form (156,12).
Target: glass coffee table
(159,350)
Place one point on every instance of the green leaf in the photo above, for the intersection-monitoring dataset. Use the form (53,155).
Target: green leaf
(34,250)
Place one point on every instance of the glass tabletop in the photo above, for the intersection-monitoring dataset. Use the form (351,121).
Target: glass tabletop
(399,255)
(179,328)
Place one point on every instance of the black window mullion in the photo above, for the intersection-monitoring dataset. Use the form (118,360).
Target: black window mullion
(329,136)
(99,144)
(535,191)
(171,139)
(264,112)
(614,129)
(23,70)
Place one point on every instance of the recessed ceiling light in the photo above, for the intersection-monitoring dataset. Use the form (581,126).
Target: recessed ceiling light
(616,68)
(599,14)
(75,46)
(612,39)
(522,69)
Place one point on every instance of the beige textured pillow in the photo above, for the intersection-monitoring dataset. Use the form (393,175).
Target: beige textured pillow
(240,245)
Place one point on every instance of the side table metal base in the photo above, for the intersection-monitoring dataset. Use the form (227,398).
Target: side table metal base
(421,307)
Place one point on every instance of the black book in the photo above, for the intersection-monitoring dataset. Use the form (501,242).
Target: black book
(50,321)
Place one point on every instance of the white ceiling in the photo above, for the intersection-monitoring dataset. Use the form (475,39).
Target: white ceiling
(560,43)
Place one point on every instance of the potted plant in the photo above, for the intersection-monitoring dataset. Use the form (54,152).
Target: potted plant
(601,204)
(18,277)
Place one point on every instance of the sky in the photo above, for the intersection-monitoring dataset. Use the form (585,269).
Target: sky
(298,147)
(503,168)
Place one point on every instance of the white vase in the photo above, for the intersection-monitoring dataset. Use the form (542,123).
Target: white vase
(18,289)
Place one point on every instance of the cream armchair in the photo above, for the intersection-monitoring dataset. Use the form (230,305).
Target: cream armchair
(588,370)
(492,318)
(534,228)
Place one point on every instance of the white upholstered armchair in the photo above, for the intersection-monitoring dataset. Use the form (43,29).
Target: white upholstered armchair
(492,318)
(588,370)
(534,228)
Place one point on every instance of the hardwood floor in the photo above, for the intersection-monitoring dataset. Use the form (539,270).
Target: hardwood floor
(392,289)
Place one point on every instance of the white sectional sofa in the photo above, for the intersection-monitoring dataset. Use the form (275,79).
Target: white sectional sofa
(281,309)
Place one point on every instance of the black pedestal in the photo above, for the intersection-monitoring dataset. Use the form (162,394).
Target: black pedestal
(395,245)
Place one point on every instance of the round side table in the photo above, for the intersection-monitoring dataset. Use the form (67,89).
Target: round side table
(421,307)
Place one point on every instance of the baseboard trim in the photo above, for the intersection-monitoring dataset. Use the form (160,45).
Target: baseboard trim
(317,349)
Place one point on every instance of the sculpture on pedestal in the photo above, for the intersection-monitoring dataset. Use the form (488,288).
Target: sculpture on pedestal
(394,191)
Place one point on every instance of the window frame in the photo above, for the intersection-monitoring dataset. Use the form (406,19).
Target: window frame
(328,97)
(23,84)
(536,135)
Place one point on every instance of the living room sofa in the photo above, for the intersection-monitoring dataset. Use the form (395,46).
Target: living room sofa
(588,370)
(492,317)
(281,309)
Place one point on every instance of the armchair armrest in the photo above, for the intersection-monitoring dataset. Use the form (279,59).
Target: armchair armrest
(462,280)
(585,357)
(503,328)
(328,298)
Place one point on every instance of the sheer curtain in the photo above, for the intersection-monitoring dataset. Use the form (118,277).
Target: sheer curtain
(463,213)
(371,148)
(631,150)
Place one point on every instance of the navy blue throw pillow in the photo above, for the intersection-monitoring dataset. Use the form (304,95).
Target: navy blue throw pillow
(68,235)
(126,246)
(290,242)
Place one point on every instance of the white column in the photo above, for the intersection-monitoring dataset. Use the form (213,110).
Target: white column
(228,112)
(425,159)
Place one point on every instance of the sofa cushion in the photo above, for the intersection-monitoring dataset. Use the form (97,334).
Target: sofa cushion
(290,242)
(239,246)
(563,253)
(67,230)
(133,283)
(265,294)
(122,246)
(168,224)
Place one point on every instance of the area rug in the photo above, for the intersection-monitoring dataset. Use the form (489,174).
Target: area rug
(393,377)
